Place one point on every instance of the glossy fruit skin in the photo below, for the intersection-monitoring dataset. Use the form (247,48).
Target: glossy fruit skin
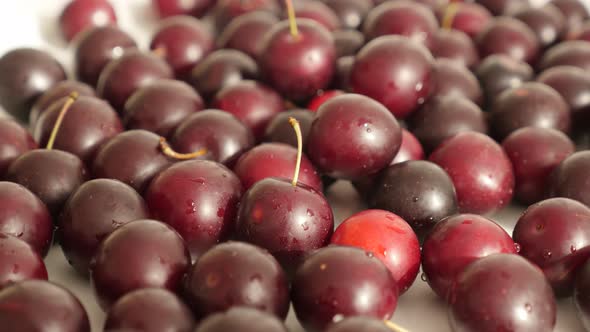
(442,118)
(14,141)
(353,136)
(279,130)
(380,64)
(470,18)
(36,305)
(240,319)
(456,46)
(133,157)
(51,175)
(253,103)
(504,7)
(581,294)
(306,219)
(161,106)
(226,11)
(96,47)
(457,241)
(92,212)
(24,216)
(321,98)
(199,199)
(535,153)
(571,177)
(140,254)
(26,74)
(78,16)
(57,92)
(411,149)
(329,284)
(316,11)
(220,69)
(573,84)
(515,292)
(223,136)
(483,178)
(151,310)
(236,274)
(410,19)
(508,36)
(245,32)
(196,8)
(531,104)
(344,67)
(351,13)
(554,234)
(387,236)
(312,59)
(275,160)
(19,261)
(348,42)
(419,192)
(184,41)
(89,123)
(451,79)
(359,324)
(121,77)
(568,53)
(574,11)
(497,73)
(547,22)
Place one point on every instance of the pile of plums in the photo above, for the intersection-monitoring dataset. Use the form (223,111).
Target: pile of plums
(187,181)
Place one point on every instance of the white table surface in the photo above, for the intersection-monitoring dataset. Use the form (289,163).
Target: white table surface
(33,23)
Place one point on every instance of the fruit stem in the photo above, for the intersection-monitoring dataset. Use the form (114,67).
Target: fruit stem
(71,99)
(295,124)
(292,21)
(449,16)
(394,327)
(169,152)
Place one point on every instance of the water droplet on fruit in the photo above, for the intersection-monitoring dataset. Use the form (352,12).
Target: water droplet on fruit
(528,307)
(415,199)
(547,254)
(423,277)
(540,227)
(256,277)
(323,267)
(369,254)
(573,249)
(420,101)
(517,247)
(337,318)
(310,213)
(419,86)
(198,180)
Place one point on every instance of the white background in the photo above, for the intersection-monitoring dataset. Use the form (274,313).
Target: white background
(33,23)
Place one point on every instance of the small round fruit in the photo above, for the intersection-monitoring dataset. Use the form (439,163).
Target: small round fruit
(512,291)
(455,46)
(468,17)
(236,274)
(571,177)
(411,149)
(78,16)
(535,153)
(14,141)
(36,305)
(508,36)
(457,241)
(395,72)
(388,237)
(338,282)
(140,254)
(480,170)
(245,32)
(19,261)
(451,79)
(420,192)
(497,73)
(547,22)
(554,234)
(353,136)
(241,319)
(568,53)
(92,212)
(150,310)
(279,129)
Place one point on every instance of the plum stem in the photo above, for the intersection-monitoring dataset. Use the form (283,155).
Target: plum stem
(169,152)
(295,124)
(60,118)
(449,15)
(394,327)
(292,21)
